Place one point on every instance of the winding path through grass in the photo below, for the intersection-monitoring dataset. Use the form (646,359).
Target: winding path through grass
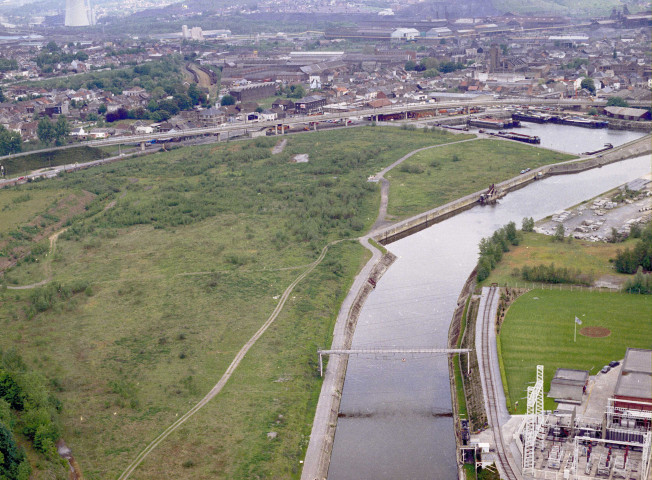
(229,371)
(381,221)
(359,281)
(46,267)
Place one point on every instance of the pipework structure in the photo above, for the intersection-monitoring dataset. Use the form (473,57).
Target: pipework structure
(534,421)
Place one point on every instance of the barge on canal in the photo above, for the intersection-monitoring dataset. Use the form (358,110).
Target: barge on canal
(519,137)
(495,123)
(572,121)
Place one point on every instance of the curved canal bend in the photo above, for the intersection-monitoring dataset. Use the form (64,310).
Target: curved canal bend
(395,415)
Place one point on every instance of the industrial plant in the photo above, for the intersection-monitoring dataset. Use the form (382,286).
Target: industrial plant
(600,429)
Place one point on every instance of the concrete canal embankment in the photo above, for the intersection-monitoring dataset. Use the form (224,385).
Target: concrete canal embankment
(617,124)
(318,456)
(420,222)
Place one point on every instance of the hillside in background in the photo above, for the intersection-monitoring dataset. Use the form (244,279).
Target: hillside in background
(571,8)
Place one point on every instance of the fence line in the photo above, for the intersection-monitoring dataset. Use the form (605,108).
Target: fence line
(563,286)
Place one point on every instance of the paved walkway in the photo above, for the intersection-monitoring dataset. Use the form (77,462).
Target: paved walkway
(321,437)
(382,222)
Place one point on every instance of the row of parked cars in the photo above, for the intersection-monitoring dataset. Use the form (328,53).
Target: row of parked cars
(611,365)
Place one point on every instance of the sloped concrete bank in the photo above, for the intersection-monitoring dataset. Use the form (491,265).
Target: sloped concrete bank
(454,331)
(420,222)
(318,454)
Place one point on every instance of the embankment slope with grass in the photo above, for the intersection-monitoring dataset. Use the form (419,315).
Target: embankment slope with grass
(434,177)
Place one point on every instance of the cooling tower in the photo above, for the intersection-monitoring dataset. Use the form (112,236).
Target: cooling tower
(78,13)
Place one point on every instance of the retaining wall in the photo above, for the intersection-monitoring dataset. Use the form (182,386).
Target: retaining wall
(415,224)
(617,124)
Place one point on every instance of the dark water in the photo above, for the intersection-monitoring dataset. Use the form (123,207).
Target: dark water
(395,422)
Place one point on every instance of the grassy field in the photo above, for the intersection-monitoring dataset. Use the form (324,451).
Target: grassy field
(538,330)
(267,102)
(22,165)
(440,175)
(18,205)
(535,249)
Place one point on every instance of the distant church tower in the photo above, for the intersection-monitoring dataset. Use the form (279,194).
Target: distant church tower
(79,13)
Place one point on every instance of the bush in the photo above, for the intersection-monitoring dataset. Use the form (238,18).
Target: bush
(551,274)
(559,234)
(227,100)
(13,462)
(528,224)
(629,260)
(407,168)
(641,283)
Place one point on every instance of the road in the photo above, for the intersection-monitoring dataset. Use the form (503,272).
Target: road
(255,126)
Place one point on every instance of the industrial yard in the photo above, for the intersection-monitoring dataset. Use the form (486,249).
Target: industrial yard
(603,432)
(596,219)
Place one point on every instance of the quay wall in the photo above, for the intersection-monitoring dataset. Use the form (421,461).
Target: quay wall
(417,223)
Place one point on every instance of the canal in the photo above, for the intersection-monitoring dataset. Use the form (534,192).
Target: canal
(395,415)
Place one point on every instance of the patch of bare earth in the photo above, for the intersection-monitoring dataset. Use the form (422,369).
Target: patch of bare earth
(65,452)
(301,158)
(278,148)
(595,332)
(610,281)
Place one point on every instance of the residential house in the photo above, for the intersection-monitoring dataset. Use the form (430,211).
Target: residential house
(310,104)
(283,104)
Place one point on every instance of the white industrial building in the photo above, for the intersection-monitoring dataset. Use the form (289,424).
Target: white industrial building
(405,34)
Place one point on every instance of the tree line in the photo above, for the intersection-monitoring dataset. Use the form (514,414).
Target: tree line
(27,408)
(492,249)
(552,274)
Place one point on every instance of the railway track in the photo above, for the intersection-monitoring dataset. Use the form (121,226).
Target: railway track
(491,383)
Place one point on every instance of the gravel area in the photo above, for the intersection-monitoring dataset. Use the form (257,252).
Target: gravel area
(595,219)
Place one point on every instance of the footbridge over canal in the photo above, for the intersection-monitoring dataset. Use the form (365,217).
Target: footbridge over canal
(390,351)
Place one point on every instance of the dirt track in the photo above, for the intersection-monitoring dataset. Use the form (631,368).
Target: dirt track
(53,243)
(229,371)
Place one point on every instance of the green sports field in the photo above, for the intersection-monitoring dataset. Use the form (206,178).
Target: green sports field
(538,330)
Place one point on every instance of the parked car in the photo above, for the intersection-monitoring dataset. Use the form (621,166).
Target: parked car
(605,369)
(614,363)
